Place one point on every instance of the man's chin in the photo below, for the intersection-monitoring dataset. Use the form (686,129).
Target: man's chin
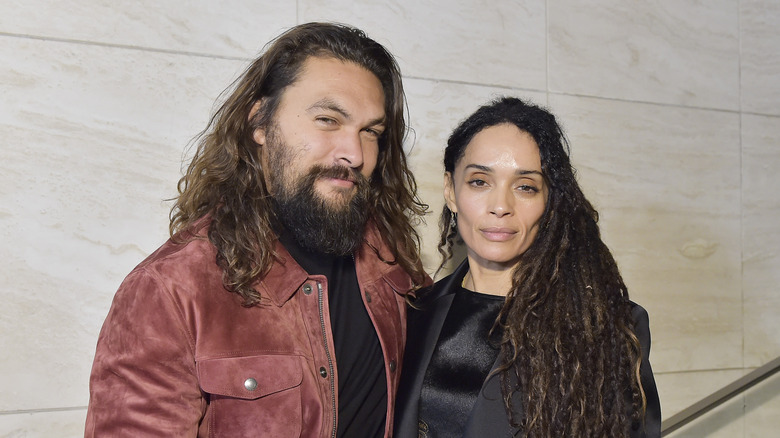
(325,219)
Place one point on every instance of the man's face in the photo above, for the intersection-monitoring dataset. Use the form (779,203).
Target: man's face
(320,151)
(333,115)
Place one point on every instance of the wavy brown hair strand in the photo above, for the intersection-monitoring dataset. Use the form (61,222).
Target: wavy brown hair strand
(225,180)
(567,338)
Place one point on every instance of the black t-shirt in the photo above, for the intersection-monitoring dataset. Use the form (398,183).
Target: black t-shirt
(362,402)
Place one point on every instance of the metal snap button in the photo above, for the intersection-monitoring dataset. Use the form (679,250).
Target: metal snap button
(307,289)
(323,372)
(250,384)
(392,366)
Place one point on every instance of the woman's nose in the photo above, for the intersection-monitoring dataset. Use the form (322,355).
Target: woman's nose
(502,202)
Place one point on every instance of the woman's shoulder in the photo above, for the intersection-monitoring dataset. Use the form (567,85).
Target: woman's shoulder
(641,328)
(429,296)
(448,285)
(639,315)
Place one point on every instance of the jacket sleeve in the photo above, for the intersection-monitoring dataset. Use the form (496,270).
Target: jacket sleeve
(143,380)
(652,420)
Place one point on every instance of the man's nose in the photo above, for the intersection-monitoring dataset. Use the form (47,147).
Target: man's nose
(348,150)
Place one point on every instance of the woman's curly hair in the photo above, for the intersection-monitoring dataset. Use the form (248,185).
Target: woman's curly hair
(566,327)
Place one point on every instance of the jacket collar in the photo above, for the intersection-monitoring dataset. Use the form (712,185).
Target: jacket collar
(373,261)
(283,279)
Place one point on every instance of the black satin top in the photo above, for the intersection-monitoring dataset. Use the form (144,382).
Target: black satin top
(460,363)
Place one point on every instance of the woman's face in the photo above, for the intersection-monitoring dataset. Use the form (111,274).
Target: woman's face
(499,194)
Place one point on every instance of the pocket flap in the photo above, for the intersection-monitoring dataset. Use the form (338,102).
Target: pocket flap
(249,377)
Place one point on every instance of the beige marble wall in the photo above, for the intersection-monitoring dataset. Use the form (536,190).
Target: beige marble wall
(761,237)
(672,109)
(672,217)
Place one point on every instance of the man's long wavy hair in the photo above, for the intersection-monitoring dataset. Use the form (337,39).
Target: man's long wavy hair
(225,180)
(567,341)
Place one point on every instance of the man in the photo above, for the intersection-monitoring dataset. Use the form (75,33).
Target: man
(277,307)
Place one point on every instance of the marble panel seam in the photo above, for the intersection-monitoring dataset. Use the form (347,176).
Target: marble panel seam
(43,410)
(647,102)
(472,84)
(124,46)
(754,113)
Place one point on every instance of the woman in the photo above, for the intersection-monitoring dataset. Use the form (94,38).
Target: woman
(533,334)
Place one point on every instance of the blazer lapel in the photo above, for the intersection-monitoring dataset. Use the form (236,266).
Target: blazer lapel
(423,328)
(488,417)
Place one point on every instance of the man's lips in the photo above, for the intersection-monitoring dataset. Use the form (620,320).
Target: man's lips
(498,234)
(340,182)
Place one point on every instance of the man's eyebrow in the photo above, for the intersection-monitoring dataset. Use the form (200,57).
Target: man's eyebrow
(377,121)
(331,105)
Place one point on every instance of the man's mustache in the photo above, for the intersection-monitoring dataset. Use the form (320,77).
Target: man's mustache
(338,172)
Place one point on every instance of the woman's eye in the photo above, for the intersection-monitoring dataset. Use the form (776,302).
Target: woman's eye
(528,189)
(326,120)
(477,182)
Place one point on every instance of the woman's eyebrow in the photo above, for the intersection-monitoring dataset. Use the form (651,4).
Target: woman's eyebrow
(479,167)
(490,169)
(529,172)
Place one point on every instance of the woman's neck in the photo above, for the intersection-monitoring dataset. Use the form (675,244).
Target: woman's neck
(488,281)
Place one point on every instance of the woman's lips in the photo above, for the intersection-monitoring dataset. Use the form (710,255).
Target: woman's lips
(496,234)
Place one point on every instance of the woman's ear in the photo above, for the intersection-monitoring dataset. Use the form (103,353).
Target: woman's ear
(259,133)
(449,192)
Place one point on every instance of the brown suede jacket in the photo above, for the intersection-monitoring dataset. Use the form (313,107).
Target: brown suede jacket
(179,356)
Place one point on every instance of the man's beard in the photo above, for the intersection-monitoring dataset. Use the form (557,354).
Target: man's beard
(331,226)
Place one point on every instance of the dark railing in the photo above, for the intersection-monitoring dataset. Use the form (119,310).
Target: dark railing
(717,398)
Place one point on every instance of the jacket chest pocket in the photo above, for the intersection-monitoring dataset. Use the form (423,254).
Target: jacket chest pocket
(252,396)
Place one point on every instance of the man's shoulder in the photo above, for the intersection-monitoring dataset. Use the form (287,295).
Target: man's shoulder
(186,261)
(187,246)
(193,252)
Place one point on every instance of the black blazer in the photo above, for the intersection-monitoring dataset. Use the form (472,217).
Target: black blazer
(488,417)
